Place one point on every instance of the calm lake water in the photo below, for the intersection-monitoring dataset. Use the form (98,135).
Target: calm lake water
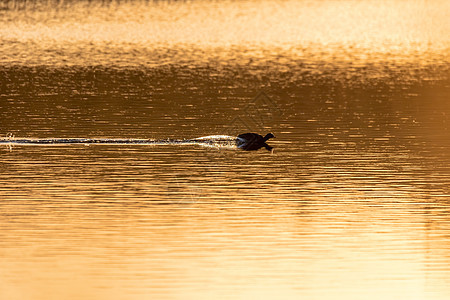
(352,204)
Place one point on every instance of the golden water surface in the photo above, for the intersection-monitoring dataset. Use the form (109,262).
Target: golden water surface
(353,203)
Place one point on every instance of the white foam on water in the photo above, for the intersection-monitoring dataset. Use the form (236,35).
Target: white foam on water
(216,141)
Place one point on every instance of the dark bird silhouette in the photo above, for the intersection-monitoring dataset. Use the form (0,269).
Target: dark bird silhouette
(253,141)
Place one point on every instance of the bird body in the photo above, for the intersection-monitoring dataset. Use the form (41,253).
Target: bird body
(253,141)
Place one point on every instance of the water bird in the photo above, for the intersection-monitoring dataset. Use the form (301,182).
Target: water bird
(253,141)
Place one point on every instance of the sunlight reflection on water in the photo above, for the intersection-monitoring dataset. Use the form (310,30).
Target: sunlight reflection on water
(353,203)
(154,33)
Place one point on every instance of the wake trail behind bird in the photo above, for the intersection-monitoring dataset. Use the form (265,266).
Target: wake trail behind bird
(215,141)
